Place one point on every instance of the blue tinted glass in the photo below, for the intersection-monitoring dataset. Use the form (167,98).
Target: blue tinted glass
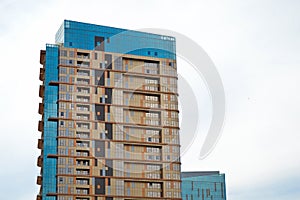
(50,127)
(83,36)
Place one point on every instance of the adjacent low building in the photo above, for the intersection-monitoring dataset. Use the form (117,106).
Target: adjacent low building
(203,185)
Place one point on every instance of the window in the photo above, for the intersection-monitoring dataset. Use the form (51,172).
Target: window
(168,176)
(102,65)
(71,88)
(61,189)
(222,190)
(62,123)
(63,53)
(62,152)
(151,81)
(168,157)
(176,185)
(62,133)
(176,167)
(62,70)
(207,192)
(177,194)
(71,53)
(167,167)
(71,124)
(62,79)
(173,98)
(132,113)
(168,194)
(71,71)
(166,131)
(166,149)
(167,140)
(174,132)
(62,88)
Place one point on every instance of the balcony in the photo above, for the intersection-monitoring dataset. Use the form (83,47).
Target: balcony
(83,64)
(42,57)
(83,81)
(82,153)
(41,126)
(82,116)
(152,122)
(83,73)
(40,144)
(39,180)
(82,126)
(83,163)
(152,87)
(40,161)
(41,108)
(82,181)
(82,135)
(42,74)
(83,107)
(83,90)
(83,99)
(82,55)
(82,144)
(151,105)
(41,91)
(82,172)
(82,191)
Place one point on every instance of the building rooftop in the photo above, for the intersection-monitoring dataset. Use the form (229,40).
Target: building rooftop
(81,35)
(198,173)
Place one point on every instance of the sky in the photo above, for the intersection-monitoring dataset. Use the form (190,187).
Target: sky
(254,44)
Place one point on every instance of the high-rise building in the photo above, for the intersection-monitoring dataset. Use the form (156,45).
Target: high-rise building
(109,127)
(203,185)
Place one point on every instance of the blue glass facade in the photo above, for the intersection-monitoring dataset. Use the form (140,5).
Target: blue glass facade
(82,36)
(203,186)
(50,127)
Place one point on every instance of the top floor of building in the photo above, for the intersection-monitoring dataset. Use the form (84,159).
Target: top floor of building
(87,36)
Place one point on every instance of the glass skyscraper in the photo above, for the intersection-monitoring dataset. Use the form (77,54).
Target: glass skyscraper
(109,125)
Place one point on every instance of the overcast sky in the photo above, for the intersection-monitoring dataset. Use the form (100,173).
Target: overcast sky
(254,44)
